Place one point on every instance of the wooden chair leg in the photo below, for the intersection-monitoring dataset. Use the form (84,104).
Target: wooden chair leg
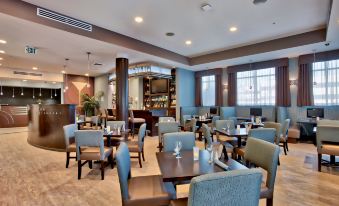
(319,162)
(143,155)
(284,146)
(269,201)
(111,160)
(79,169)
(67,159)
(278,160)
(102,169)
(287,146)
(90,165)
(139,157)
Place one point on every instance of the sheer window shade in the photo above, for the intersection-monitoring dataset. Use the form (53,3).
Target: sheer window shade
(208,90)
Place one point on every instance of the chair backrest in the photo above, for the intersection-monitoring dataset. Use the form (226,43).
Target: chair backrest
(69,131)
(327,131)
(131,115)
(141,136)
(265,155)
(236,187)
(89,138)
(166,119)
(95,120)
(207,134)
(227,112)
(194,125)
(214,119)
(267,134)
(219,124)
(120,124)
(187,139)
(124,169)
(82,117)
(185,119)
(277,127)
(284,128)
(167,127)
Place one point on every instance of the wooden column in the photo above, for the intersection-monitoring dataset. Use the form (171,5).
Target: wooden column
(122,89)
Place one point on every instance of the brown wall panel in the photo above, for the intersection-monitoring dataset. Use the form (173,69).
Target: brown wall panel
(76,87)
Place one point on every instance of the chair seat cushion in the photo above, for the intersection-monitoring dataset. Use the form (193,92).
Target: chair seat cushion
(148,191)
(133,146)
(240,151)
(282,139)
(138,120)
(232,140)
(294,133)
(71,148)
(330,149)
(179,202)
(93,153)
(264,191)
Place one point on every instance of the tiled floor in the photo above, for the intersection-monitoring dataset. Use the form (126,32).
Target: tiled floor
(33,176)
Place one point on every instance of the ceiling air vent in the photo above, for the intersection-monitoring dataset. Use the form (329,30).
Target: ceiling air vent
(27,73)
(63,19)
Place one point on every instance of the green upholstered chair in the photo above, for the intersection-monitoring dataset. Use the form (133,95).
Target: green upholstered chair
(265,155)
(284,135)
(89,147)
(69,136)
(327,139)
(138,146)
(187,139)
(237,187)
(142,190)
(166,127)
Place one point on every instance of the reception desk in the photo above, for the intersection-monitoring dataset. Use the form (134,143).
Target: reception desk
(46,125)
(13,116)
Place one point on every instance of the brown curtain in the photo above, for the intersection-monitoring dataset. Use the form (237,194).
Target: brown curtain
(218,90)
(198,102)
(305,85)
(283,95)
(232,89)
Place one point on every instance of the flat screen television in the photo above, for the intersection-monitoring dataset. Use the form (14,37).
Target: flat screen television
(257,112)
(159,86)
(315,112)
(214,110)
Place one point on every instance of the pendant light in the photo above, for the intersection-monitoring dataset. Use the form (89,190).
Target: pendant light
(1,93)
(33,94)
(313,65)
(88,68)
(55,94)
(13,93)
(40,92)
(22,91)
(51,93)
(250,70)
(66,80)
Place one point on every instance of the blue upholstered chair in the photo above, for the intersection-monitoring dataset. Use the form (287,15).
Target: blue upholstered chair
(266,134)
(187,139)
(166,119)
(120,124)
(90,146)
(284,135)
(142,190)
(69,136)
(277,127)
(227,112)
(166,127)
(227,142)
(237,187)
(138,146)
(265,155)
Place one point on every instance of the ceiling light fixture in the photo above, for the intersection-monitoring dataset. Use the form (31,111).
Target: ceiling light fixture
(233,29)
(256,2)
(1,58)
(206,7)
(13,93)
(138,19)
(1,93)
(51,94)
(3,41)
(64,72)
(86,74)
(22,91)
(88,68)
(40,92)
(2,51)
(24,80)
(188,42)
(170,34)
(55,93)
(35,68)
(33,94)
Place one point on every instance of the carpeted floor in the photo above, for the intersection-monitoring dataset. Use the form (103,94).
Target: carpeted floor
(33,176)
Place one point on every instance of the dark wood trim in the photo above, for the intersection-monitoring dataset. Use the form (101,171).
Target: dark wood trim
(258,65)
(321,56)
(216,71)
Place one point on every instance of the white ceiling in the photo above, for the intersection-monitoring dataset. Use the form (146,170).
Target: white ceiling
(209,31)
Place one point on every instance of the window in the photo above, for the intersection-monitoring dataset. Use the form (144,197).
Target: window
(256,87)
(208,90)
(326,82)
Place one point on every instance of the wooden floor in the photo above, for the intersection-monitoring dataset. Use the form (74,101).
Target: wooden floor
(33,176)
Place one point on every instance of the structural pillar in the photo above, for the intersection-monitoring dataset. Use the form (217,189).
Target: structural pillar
(122,89)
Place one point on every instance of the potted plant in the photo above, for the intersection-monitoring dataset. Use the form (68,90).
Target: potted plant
(89,104)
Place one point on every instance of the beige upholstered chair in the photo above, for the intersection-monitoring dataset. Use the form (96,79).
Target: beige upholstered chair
(138,146)
(224,189)
(327,139)
(166,127)
(90,146)
(284,135)
(69,131)
(141,190)
(265,155)
(227,142)
(134,122)
(277,127)
(166,119)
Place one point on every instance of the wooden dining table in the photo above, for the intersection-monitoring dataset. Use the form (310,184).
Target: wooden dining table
(186,168)
(115,137)
(240,134)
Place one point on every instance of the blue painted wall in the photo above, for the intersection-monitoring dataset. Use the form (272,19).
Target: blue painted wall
(185,87)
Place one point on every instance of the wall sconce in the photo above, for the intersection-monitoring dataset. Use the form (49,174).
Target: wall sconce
(293,82)
(225,86)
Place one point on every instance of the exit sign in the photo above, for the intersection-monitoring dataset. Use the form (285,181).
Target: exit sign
(31,50)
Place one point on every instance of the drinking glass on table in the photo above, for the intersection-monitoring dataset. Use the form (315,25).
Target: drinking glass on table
(228,125)
(178,146)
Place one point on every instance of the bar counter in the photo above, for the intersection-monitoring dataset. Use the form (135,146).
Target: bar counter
(46,125)
(13,116)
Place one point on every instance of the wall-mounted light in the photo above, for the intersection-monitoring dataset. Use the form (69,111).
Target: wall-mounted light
(293,82)
(225,86)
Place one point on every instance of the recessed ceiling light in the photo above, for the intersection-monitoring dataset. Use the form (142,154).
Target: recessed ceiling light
(2,41)
(188,42)
(0,64)
(206,7)
(24,80)
(86,74)
(64,72)
(1,58)
(35,68)
(2,51)
(233,29)
(138,19)
(54,82)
